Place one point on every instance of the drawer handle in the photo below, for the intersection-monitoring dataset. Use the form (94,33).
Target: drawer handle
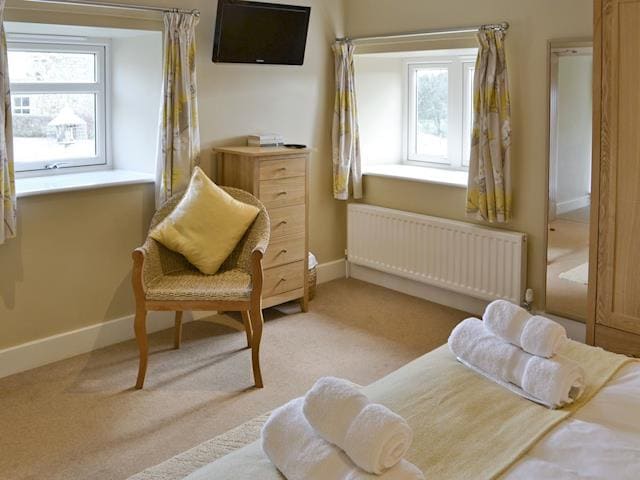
(283,222)
(282,279)
(282,169)
(283,251)
(282,194)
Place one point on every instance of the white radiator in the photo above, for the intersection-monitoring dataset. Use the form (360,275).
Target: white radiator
(481,262)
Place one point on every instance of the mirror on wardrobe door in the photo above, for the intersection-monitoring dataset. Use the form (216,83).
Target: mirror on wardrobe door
(570,102)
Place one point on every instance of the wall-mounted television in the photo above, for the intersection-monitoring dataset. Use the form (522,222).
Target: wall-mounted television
(263,33)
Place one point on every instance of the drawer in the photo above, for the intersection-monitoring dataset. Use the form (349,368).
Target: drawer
(284,251)
(283,168)
(283,192)
(282,279)
(288,222)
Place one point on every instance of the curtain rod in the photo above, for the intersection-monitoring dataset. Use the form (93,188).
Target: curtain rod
(120,6)
(491,26)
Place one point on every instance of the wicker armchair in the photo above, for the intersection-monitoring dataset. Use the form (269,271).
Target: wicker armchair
(164,280)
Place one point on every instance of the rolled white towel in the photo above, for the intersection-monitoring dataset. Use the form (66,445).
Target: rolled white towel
(331,405)
(558,380)
(534,334)
(553,382)
(374,437)
(543,337)
(506,320)
(300,453)
(377,438)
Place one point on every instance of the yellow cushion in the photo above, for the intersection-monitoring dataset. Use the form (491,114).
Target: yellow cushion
(206,225)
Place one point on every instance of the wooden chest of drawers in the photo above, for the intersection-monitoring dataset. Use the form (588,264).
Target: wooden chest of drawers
(279,178)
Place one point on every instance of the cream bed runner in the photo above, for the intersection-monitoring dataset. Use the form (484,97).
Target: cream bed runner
(465,426)
(469,427)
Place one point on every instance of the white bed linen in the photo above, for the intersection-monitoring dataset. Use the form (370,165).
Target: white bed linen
(601,441)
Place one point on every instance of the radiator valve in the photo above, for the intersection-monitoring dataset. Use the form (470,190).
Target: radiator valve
(528,299)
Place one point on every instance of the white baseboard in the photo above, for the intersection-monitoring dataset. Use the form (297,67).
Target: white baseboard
(438,295)
(69,344)
(573,204)
(331,271)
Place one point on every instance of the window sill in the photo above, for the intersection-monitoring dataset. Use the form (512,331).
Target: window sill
(31,186)
(438,176)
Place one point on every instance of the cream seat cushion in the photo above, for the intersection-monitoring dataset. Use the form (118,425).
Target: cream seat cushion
(206,225)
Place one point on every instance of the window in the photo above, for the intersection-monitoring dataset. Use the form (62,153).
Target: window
(59,101)
(21,105)
(440,110)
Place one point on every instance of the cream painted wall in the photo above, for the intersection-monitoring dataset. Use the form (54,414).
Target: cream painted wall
(575,100)
(379,90)
(71,264)
(533,25)
(70,267)
(136,75)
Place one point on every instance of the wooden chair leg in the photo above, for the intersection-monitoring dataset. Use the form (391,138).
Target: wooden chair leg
(247,327)
(257,321)
(140,327)
(177,339)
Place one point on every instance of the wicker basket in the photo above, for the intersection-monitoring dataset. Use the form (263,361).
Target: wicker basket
(312,278)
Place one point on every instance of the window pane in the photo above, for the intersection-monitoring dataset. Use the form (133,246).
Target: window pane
(432,103)
(51,67)
(21,105)
(56,126)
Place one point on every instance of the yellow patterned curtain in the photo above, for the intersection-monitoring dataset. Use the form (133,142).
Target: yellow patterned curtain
(179,150)
(489,190)
(346,137)
(8,205)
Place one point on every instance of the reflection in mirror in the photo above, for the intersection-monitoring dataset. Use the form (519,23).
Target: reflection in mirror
(569,181)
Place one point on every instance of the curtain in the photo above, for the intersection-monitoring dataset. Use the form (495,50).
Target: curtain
(179,149)
(489,190)
(8,205)
(346,137)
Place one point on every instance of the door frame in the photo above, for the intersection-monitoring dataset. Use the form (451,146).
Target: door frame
(594,221)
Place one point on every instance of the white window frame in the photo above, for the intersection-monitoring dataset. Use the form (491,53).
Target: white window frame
(20,109)
(467,125)
(101,88)
(459,69)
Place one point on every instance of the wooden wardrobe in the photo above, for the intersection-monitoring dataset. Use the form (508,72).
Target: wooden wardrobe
(614,281)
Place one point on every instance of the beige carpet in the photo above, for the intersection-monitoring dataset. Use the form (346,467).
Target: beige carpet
(80,418)
(568,249)
(579,274)
(184,464)
(581,215)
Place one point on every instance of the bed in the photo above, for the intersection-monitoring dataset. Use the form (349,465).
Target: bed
(468,427)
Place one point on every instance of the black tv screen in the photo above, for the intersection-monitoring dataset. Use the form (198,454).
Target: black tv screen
(257,32)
